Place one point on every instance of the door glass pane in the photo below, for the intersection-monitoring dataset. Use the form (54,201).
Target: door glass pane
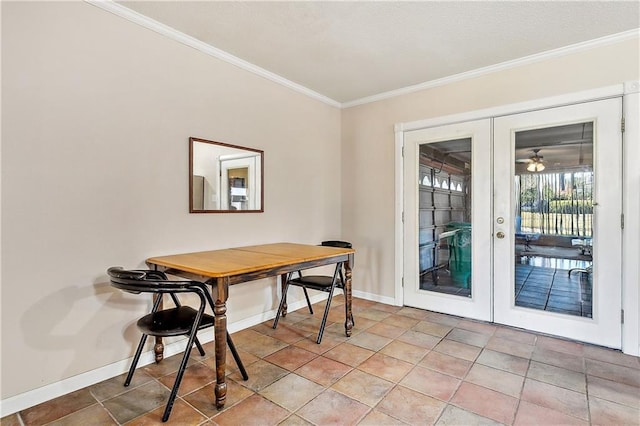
(444,212)
(553,190)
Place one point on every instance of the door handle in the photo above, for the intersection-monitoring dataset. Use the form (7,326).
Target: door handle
(500,234)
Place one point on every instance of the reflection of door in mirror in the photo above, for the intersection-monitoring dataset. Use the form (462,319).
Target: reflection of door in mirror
(237,178)
(240,186)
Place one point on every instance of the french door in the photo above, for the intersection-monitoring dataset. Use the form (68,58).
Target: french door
(516,220)
(447,219)
(567,282)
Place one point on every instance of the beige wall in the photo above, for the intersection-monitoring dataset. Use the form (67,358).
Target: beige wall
(368,140)
(96,115)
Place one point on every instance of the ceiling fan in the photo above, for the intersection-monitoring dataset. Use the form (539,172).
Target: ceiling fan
(535,162)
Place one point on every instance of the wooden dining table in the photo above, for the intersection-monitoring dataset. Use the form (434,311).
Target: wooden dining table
(227,267)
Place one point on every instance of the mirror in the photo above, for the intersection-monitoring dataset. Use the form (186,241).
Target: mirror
(224,178)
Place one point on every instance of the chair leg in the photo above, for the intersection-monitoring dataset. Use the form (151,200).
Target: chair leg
(136,358)
(183,365)
(282,302)
(581,270)
(326,314)
(334,282)
(236,356)
(306,295)
(199,346)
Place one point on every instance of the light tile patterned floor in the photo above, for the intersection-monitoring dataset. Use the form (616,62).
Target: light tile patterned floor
(401,366)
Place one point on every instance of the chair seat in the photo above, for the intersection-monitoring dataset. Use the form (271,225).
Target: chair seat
(316,282)
(172,322)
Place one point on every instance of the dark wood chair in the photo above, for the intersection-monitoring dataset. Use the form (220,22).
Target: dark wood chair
(177,321)
(323,283)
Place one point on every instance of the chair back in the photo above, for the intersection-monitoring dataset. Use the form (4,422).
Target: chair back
(340,244)
(141,281)
(336,243)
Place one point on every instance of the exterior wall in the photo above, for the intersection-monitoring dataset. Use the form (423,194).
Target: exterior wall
(96,116)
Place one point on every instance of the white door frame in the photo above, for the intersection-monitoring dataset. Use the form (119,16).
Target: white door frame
(630,209)
(631,188)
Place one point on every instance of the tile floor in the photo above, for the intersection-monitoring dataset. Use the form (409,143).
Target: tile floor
(401,366)
(540,283)
(554,289)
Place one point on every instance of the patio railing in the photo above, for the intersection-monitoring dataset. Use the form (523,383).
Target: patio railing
(559,204)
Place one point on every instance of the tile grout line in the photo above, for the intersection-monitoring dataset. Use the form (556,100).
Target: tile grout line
(524,380)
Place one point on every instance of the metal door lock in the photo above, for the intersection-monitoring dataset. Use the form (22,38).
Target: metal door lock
(500,220)
(500,234)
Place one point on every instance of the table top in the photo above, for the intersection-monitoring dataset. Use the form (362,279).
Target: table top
(243,260)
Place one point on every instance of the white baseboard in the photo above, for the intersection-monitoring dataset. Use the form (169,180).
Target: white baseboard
(48,392)
(375,298)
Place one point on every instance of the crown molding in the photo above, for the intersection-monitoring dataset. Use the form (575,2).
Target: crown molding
(538,57)
(137,18)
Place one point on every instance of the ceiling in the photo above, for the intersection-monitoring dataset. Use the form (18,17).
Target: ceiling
(561,148)
(349,51)
(567,147)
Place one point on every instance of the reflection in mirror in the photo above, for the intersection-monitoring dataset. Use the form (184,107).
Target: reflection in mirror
(224,178)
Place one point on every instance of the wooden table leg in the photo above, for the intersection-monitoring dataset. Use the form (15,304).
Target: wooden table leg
(220,324)
(158,348)
(348,325)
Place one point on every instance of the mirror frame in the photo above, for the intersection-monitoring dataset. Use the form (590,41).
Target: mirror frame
(192,140)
